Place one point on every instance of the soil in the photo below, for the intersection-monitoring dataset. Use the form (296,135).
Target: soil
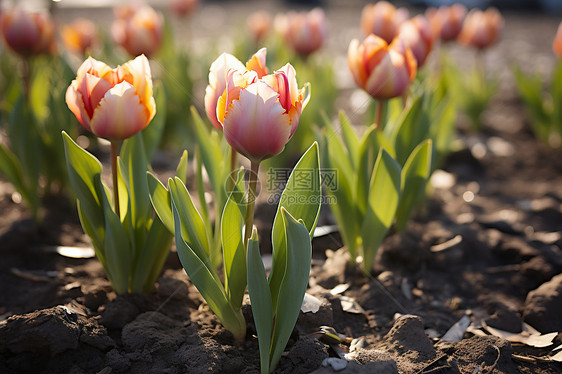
(487,248)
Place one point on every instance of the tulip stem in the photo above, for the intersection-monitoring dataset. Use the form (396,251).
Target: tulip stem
(26,76)
(249,223)
(233,162)
(114,149)
(379,112)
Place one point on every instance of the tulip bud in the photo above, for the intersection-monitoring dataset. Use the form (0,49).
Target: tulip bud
(183,7)
(28,33)
(79,36)
(112,103)
(258,24)
(217,79)
(416,34)
(383,71)
(260,114)
(446,22)
(557,43)
(481,28)
(304,32)
(139,31)
(383,20)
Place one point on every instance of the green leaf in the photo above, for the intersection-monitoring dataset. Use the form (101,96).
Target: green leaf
(193,228)
(161,201)
(300,200)
(384,196)
(117,248)
(181,170)
(152,257)
(350,139)
(293,286)
(412,128)
(206,282)
(369,149)
(414,177)
(234,252)
(260,297)
(84,172)
(11,169)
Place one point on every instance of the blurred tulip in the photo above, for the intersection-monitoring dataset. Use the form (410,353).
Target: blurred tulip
(258,24)
(260,114)
(481,28)
(79,36)
(112,103)
(383,20)
(446,21)
(217,79)
(557,43)
(417,35)
(28,33)
(382,70)
(139,31)
(183,7)
(304,32)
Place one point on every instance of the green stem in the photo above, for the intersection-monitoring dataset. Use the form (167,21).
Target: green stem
(114,171)
(233,164)
(379,111)
(249,223)
(26,76)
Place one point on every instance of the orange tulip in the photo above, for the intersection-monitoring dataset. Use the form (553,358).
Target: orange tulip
(446,21)
(139,31)
(557,43)
(183,7)
(28,33)
(304,32)
(383,20)
(382,70)
(79,36)
(258,24)
(417,35)
(481,28)
(217,79)
(260,114)
(112,103)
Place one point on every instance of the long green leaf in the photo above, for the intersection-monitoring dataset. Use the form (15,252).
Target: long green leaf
(208,285)
(161,201)
(152,134)
(193,228)
(293,286)
(234,252)
(350,139)
(300,199)
(384,196)
(84,172)
(414,177)
(260,297)
(117,248)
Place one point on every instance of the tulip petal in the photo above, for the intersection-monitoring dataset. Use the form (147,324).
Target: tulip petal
(140,76)
(75,103)
(256,125)
(217,84)
(257,63)
(120,114)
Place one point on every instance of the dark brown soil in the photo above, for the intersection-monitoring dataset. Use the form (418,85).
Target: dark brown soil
(488,247)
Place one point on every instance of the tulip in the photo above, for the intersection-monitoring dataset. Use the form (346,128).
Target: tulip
(79,36)
(383,20)
(260,115)
(139,31)
(217,79)
(183,7)
(112,103)
(382,70)
(28,33)
(481,28)
(446,21)
(417,35)
(557,43)
(258,24)
(304,32)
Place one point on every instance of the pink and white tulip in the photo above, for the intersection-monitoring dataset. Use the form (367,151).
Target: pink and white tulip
(446,21)
(481,29)
(384,71)
(304,32)
(139,31)
(112,103)
(28,33)
(383,20)
(417,35)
